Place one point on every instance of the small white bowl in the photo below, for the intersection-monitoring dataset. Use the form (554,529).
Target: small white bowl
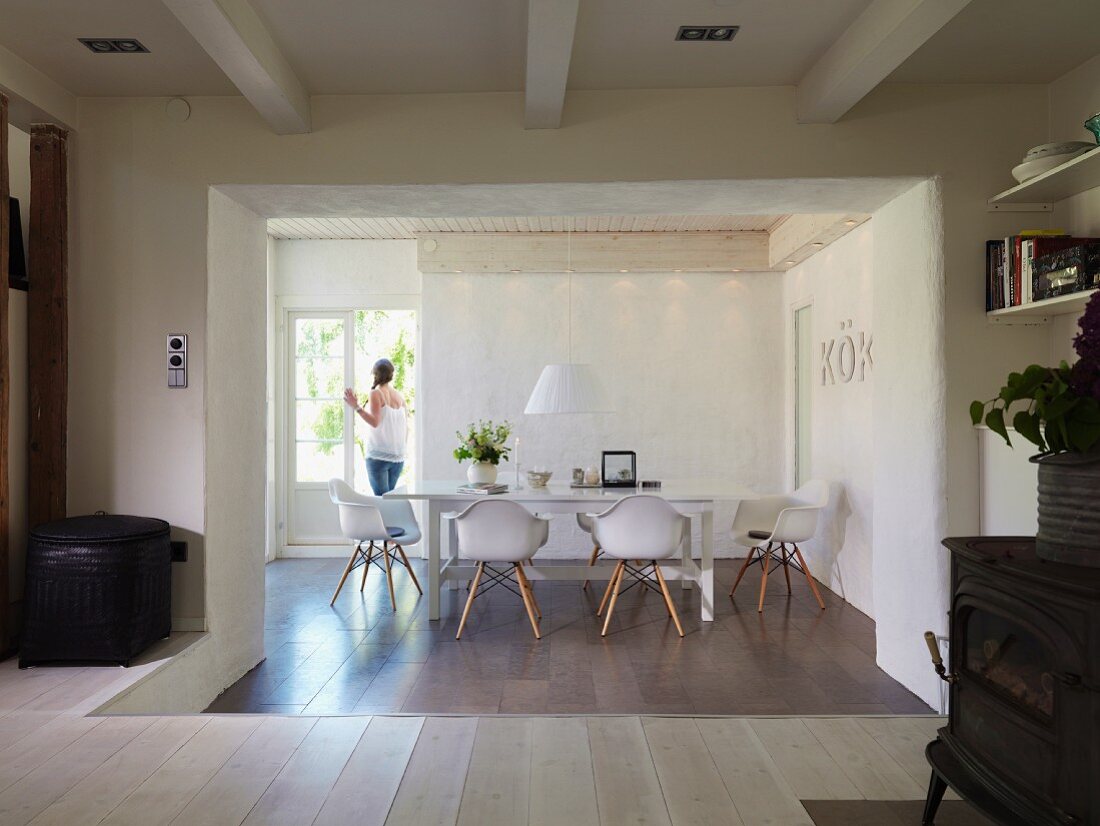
(1045,150)
(538,478)
(1029,169)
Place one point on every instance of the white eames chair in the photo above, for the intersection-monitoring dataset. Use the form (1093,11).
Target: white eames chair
(643,528)
(496,532)
(384,524)
(771,528)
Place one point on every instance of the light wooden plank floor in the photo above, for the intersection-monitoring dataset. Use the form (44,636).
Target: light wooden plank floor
(233,769)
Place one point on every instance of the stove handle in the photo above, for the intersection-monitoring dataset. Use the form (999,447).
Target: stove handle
(937,660)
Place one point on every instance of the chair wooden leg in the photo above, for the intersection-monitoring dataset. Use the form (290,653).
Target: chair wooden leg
(366,567)
(610,584)
(786,567)
(389,574)
(531,591)
(354,556)
(764,581)
(470,599)
(408,567)
(525,592)
(809,578)
(744,567)
(617,578)
(668,599)
(591,561)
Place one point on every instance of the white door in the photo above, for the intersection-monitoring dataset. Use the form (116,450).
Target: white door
(803,393)
(328,351)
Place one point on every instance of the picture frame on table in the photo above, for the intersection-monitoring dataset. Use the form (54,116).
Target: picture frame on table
(620,469)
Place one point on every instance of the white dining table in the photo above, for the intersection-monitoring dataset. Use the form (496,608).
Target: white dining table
(693,498)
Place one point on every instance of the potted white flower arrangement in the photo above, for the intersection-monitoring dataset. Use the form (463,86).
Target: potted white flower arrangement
(484,444)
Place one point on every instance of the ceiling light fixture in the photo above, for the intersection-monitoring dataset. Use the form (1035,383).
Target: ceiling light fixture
(791,263)
(817,244)
(569,387)
(849,223)
(624,270)
(113,45)
(513,270)
(735,269)
(722,34)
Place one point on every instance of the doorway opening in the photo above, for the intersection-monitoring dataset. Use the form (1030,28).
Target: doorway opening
(325,352)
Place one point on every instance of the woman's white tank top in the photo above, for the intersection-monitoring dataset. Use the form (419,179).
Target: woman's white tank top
(387,441)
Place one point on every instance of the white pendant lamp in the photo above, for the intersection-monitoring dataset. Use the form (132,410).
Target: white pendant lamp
(570,387)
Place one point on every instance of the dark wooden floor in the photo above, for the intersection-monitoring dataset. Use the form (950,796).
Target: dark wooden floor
(360,656)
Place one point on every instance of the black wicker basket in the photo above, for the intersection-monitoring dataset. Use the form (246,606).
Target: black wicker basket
(99,589)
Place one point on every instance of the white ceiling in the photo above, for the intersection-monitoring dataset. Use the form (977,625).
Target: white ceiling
(409,46)
(366,227)
(1007,41)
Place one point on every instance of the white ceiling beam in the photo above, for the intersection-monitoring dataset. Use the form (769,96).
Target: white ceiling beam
(33,97)
(878,41)
(550,28)
(235,37)
(800,236)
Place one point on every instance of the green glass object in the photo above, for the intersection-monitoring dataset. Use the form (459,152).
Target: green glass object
(1093,125)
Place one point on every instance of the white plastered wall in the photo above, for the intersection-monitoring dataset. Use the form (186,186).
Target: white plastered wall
(910,445)
(141,209)
(839,282)
(686,359)
(234,462)
(19,143)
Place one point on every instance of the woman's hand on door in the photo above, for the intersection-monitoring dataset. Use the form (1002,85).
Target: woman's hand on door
(350,398)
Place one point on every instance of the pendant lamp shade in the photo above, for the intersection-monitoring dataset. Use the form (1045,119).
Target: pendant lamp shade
(567,388)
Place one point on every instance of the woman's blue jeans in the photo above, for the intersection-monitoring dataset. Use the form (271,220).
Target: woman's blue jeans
(383,475)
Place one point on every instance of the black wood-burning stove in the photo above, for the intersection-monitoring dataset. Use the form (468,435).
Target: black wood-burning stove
(1022,742)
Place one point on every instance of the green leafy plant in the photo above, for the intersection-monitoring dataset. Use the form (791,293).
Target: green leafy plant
(484,442)
(1057,408)
(1051,412)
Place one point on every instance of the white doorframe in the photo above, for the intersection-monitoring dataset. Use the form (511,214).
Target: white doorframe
(800,474)
(285,308)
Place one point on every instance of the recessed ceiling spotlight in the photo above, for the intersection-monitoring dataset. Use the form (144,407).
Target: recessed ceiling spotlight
(791,263)
(736,269)
(115,45)
(677,270)
(712,33)
(457,270)
(817,244)
(513,270)
(570,269)
(624,270)
(849,223)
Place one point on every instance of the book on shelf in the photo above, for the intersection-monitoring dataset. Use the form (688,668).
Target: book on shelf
(1010,265)
(483,488)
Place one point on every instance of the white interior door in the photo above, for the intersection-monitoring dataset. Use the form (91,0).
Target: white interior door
(328,350)
(803,393)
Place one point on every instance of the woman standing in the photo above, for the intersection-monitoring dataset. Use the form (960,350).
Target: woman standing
(385,413)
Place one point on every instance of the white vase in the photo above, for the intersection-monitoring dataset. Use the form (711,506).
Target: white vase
(481,473)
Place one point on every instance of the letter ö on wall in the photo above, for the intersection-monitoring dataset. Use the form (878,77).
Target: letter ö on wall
(844,357)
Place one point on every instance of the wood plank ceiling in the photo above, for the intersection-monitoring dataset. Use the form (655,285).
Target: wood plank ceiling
(339,227)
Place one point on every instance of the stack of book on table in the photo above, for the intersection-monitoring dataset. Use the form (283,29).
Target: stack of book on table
(1028,267)
(482,488)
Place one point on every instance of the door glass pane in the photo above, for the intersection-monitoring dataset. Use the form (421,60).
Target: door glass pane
(319,337)
(803,392)
(319,378)
(319,461)
(387,334)
(318,407)
(319,421)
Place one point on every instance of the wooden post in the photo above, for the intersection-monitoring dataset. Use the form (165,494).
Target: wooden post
(5,391)
(47,323)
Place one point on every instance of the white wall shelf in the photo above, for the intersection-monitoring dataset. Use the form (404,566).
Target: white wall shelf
(1077,175)
(1040,312)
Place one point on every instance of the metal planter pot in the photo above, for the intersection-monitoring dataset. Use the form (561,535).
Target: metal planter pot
(1069,509)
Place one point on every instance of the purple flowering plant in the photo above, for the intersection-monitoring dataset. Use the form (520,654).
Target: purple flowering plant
(1057,408)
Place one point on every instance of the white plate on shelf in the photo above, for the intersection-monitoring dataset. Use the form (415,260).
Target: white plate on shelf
(1045,150)
(1030,169)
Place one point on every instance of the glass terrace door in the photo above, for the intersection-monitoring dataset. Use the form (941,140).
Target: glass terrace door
(328,351)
